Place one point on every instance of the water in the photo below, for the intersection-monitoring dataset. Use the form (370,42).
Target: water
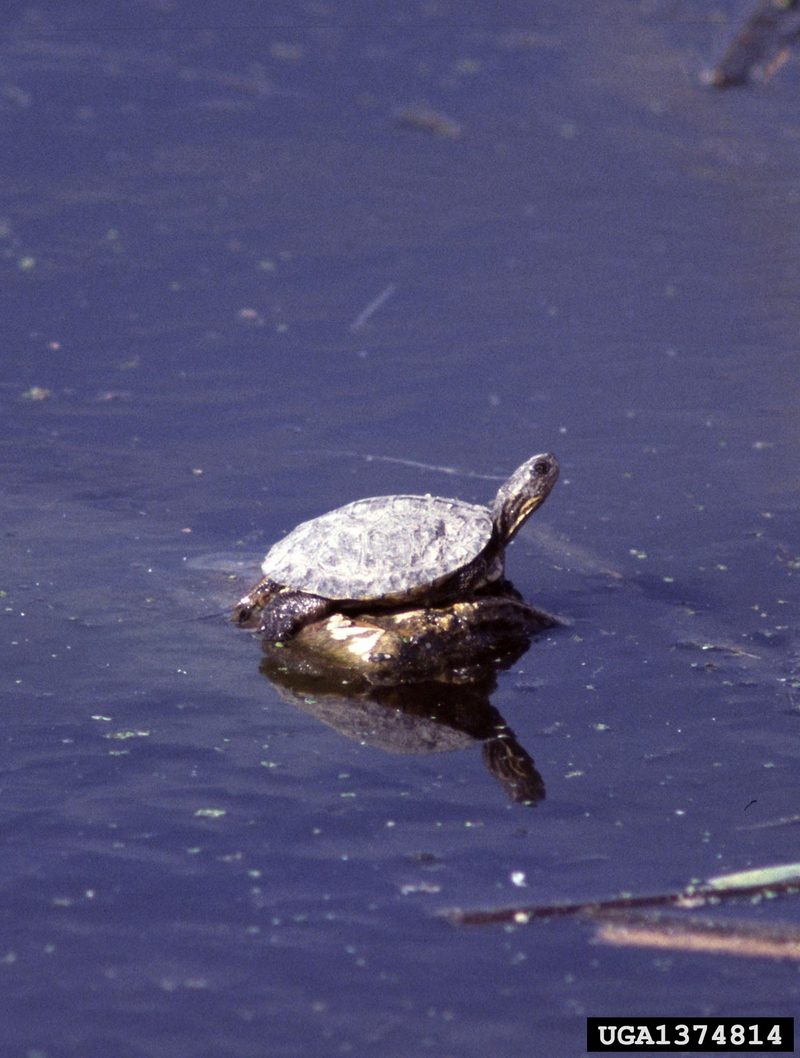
(202,219)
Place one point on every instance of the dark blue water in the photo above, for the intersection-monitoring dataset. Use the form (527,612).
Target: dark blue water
(250,293)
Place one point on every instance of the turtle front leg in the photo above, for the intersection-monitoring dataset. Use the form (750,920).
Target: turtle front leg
(255,600)
(288,611)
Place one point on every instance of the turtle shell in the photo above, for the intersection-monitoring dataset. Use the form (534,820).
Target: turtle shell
(395,547)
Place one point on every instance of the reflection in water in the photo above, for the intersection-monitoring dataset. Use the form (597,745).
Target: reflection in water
(416,681)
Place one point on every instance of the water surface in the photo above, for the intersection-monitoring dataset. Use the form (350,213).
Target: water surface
(250,293)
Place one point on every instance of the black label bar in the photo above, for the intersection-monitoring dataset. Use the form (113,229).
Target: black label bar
(663,1035)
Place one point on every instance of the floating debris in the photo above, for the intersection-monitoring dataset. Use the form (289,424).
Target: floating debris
(427,120)
(122,736)
(378,302)
(250,317)
(37,393)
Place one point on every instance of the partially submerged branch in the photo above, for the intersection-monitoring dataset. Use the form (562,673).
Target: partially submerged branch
(760,883)
(761,44)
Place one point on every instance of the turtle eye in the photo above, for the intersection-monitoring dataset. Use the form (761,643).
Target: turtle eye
(542,467)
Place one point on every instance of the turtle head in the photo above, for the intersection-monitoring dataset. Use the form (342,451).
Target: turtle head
(526,489)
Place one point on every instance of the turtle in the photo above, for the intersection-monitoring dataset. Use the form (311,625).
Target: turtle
(392,551)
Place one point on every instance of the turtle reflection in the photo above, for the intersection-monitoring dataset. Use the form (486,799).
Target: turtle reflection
(416,681)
